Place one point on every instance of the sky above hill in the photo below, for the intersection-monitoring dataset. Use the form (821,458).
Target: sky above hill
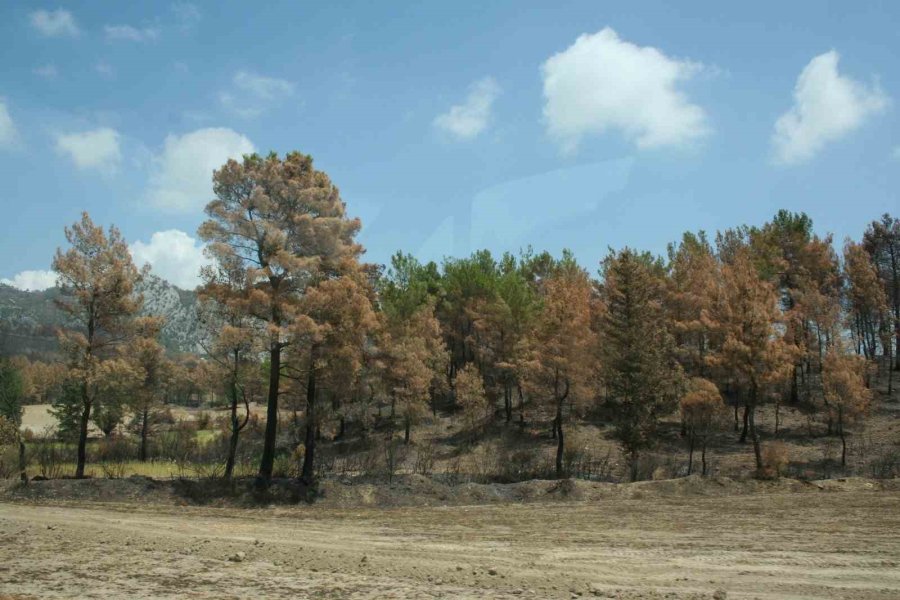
(448,126)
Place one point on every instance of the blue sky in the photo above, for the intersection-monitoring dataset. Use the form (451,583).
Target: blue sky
(449,126)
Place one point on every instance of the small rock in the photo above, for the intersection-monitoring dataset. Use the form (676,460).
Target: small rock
(238,556)
(492,571)
(720,595)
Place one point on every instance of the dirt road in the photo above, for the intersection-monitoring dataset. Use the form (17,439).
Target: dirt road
(822,545)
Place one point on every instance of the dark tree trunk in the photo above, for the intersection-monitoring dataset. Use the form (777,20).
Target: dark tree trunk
(267,462)
(754,435)
(507,402)
(82,433)
(843,437)
(406,427)
(307,475)
(235,428)
(703,458)
(691,452)
(746,423)
(560,440)
(22,474)
(144,425)
(737,426)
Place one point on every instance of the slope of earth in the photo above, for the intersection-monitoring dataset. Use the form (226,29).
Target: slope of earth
(840,544)
(29,320)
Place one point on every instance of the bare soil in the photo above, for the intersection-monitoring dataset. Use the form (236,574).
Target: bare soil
(665,539)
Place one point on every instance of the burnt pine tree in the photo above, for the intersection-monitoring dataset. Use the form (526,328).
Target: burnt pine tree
(96,277)
(284,223)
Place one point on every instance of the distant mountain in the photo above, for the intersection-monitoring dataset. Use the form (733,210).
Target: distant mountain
(28,320)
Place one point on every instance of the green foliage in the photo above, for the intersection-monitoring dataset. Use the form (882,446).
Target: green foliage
(12,392)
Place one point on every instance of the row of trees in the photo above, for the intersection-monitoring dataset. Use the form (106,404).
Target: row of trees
(765,314)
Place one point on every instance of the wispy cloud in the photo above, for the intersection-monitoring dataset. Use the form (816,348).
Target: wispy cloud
(253,94)
(130,33)
(54,23)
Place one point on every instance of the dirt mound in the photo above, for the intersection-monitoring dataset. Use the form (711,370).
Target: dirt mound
(408,491)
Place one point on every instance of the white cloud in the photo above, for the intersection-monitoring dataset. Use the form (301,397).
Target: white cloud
(465,121)
(95,149)
(896,153)
(8,133)
(254,94)
(264,88)
(54,23)
(131,34)
(182,180)
(827,106)
(173,255)
(32,280)
(603,82)
(48,71)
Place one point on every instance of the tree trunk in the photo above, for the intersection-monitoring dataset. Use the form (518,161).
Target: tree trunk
(507,402)
(267,462)
(22,474)
(746,423)
(560,440)
(406,426)
(235,431)
(307,475)
(633,466)
(82,433)
(703,458)
(144,425)
(691,452)
(843,438)
(754,435)
(737,426)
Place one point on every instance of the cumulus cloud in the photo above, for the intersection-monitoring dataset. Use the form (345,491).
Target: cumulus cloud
(31,281)
(182,180)
(254,93)
(8,133)
(130,34)
(827,106)
(54,23)
(173,255)
(48,71)
(465,121)
(95,149)
(603,82)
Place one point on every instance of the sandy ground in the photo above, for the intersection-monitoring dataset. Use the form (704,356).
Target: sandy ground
(784,545)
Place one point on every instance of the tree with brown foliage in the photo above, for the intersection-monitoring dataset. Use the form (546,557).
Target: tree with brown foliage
(283,222)
(754,354)
(335,320)
(96,278)
(470,396)
(558,353)
(702,410)
(231,343)
(414,359)
(846,394)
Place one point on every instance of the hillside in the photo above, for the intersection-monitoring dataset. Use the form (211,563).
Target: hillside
(28,320)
